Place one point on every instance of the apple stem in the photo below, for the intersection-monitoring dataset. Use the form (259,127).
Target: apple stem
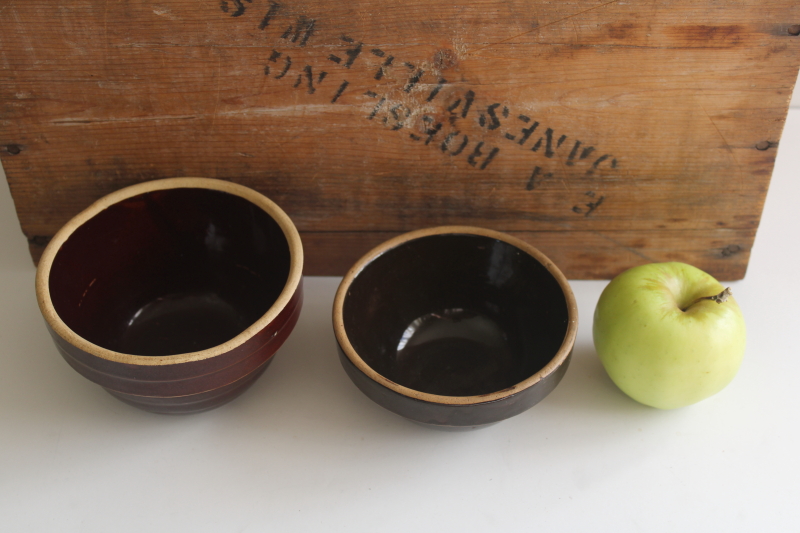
(719,298)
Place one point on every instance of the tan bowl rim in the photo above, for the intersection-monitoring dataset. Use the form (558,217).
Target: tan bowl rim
(256,198)
(557,360)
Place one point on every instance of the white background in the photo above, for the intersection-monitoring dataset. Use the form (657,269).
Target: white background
(304,450)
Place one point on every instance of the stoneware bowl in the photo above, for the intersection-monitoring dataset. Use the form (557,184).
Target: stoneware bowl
(455,326)
(173,294)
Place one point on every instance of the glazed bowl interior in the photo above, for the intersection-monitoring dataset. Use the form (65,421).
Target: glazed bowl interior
(169,271)
(459,315)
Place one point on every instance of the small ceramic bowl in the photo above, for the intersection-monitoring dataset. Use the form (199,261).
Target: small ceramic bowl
(173,294)
(455,326)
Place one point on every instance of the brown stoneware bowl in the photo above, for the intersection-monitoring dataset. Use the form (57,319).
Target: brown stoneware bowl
(173,294)
(455,326)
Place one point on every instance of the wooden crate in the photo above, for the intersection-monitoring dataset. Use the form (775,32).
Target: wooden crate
(606,133)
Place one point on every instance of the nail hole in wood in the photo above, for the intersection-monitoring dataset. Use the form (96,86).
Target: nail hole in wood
(730,250)
(794,30)
(763,145)
(13,149)
(40,240)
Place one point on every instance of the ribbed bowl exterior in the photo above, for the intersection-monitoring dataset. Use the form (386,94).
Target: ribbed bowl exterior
(191,386)
(451,415)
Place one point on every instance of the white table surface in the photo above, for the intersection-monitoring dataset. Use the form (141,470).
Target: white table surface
(304,450)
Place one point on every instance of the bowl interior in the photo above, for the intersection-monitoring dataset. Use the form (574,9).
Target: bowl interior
(170,271)
(455,315)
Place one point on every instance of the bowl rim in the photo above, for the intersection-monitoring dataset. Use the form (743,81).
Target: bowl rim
(558,359)
(54,246)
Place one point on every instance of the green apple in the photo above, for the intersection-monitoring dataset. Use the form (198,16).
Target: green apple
(668,334)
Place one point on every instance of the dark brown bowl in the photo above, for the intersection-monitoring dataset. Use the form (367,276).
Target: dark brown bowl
(455,326)
(173,294)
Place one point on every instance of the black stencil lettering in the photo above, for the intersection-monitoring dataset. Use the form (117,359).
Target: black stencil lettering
(301,31)
(274,58)
(573,153)
(286,66)
(309,76)
(526,132)
(382,69)
(450,137)
(594,205)
(340,90)
(436,89)
(586,152)
(532,181)
(597,163)
(399,112)
(303,28)
(240,7)
(414,79)
(476,153)
(351,53)
(537,176)
(548,151)
(468,99)
(591,205)
(429,131)
(493,116)
(377,106)
(495,120)
(493,152)
(273,10)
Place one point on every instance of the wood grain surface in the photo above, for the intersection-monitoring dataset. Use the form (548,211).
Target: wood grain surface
(606,133)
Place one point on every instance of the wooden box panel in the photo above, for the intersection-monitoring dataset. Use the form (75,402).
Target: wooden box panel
(607,133)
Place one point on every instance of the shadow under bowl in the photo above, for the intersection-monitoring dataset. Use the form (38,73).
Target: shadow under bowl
(173,294)
(455,326)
